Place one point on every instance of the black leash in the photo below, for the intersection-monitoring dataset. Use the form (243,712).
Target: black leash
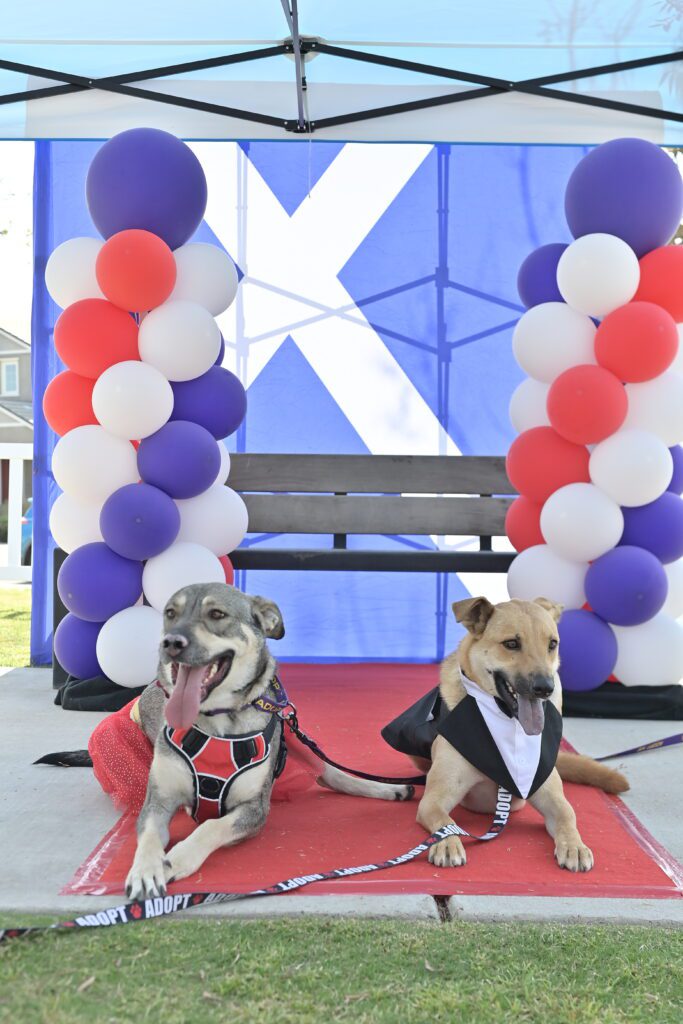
(290,719)
(163,906)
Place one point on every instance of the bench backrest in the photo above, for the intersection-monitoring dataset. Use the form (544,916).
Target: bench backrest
(374,494)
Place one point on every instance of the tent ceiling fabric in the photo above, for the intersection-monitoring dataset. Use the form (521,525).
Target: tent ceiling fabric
(502,41)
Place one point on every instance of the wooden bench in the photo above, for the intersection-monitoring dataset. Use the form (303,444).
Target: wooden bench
(379,495)
(365,495)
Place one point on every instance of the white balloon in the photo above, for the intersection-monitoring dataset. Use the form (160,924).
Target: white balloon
(673,605)
(89,464)
(180,339)
(205,274)
(633,467)
(650,654)
(224,471)
(528,405)
(597,273)
(74,523)
(541,572)
(179,566)
(70,271)
(132,400)
(581,523)
(657,405)
(218,519)
(552,337)
(128,646)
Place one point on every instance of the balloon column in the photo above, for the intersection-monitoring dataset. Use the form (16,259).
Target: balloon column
(142,408)
(599,521)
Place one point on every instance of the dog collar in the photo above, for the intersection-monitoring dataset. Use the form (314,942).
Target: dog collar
(263,703)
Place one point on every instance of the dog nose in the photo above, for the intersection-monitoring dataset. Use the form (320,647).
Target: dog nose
(174,643)
(542,686)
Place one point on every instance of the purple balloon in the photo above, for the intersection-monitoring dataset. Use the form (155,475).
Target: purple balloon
(75,646)
(216,400)
(657,527)
(139,521)
(537,277)
(676,485)
(149,179)
(221,353)
(626,586)
(588,650)
(95,583)
(182,459)
(629,188)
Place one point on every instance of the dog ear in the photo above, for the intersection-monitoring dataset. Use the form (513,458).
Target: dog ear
(553,609)
(268,617)
(473,613)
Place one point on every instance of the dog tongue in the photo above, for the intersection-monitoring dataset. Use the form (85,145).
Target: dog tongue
(183,704)
(531,715)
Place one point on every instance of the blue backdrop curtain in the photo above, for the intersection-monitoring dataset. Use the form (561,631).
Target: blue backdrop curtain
(434,279)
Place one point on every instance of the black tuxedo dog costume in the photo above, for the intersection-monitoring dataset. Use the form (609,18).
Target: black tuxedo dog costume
(482,729)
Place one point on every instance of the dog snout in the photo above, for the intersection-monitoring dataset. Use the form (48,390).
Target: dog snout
(541,686)
(174,643)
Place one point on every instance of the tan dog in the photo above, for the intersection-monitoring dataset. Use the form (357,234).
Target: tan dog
(519,640)
(511,653)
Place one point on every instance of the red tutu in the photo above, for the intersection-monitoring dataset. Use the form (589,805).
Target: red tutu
(122,755)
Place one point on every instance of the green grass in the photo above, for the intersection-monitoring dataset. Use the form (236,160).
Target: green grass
(318,970)
(15,625)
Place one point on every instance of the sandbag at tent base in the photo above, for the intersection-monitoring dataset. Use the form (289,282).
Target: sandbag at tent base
(614,700)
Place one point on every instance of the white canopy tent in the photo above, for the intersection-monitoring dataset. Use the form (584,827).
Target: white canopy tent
(570,71)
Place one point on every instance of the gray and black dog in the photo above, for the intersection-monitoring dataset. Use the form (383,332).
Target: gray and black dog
(215,752)
(213,749)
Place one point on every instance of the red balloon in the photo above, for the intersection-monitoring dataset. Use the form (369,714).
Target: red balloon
(67,402)
(586,404)
(523,524)
(661,279)
(92,335)
(540,462)
(136,270)
(637,341)
(228,570)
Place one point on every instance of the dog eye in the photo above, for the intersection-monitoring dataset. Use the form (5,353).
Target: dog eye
(170,614)
(553,644)
(216,613)
(512,645)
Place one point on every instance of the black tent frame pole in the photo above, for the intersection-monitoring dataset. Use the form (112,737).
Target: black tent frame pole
(119,84)
(292,17)
(299,48)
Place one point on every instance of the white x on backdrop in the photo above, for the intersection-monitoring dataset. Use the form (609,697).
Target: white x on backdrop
(291,288)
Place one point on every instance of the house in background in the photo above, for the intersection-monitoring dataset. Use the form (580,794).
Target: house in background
(16,403)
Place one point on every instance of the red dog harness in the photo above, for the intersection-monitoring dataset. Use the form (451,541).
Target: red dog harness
(216,761)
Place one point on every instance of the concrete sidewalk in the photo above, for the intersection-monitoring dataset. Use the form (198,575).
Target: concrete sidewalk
(40,851)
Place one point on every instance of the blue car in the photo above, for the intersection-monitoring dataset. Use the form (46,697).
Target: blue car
(27,534)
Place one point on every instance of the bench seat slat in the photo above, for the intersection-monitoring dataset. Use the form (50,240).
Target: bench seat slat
(371,474)
(383,514)
(330,559)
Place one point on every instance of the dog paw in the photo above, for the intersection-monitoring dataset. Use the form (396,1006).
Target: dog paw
(574,856)
(182,860)
(147,877)
(449,853)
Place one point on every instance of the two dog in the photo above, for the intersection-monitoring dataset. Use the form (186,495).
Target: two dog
(218,748)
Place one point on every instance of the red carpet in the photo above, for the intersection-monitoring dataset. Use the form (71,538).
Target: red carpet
(344,708)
